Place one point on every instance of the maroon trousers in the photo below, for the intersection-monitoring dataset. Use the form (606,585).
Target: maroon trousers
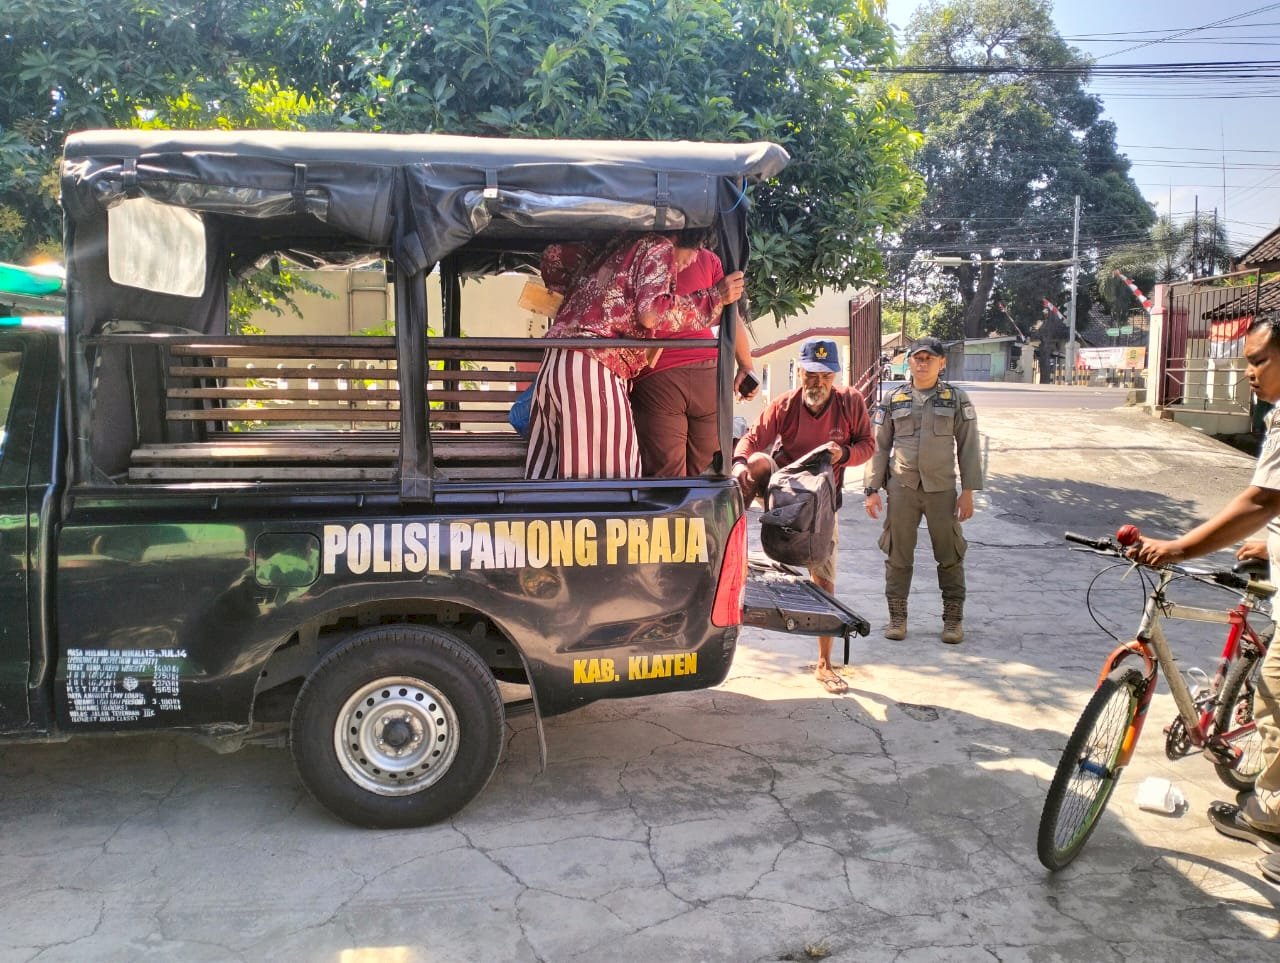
(675,417)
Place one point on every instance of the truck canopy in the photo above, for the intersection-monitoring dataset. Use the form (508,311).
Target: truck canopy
(159,222)
(419,197)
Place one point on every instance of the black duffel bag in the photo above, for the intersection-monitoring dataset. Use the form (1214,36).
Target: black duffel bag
(798,526)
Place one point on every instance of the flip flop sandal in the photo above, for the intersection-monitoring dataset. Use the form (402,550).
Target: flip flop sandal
(836,686)
(1270,866)
(1226,819)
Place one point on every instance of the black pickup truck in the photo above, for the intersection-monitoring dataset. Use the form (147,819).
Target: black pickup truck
(330,535)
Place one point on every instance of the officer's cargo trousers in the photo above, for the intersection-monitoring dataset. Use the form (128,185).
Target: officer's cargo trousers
(898,540)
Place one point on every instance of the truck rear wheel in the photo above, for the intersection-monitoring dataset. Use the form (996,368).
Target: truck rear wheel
(399,726)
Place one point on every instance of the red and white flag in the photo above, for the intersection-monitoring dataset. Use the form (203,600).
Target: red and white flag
(1137,293)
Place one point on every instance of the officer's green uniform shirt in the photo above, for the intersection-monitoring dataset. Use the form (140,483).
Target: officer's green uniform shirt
(923,436)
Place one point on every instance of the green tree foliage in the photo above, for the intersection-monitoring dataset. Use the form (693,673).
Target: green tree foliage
(1005,153)
(793,71)
(1195,247)
(74,64)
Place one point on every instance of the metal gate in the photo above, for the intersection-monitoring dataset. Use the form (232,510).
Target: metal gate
(1205,324)
(864,348)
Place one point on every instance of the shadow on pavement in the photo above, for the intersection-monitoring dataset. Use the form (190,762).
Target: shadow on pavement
(717,825)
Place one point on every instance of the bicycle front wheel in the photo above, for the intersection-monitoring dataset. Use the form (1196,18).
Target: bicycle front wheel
(1087,772)
(1234,713)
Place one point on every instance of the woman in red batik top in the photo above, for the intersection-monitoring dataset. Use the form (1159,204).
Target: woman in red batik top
(580,421)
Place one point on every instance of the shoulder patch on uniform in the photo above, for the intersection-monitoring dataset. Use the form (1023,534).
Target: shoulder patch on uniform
(967,412)
(877,416)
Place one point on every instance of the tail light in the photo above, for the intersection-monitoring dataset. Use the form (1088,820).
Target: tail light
(732,586)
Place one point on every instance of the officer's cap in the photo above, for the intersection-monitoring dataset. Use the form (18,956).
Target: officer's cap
(931,345)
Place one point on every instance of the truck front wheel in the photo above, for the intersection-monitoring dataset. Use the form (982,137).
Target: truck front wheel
(399,726)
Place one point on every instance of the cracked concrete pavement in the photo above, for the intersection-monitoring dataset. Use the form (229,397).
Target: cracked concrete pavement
(761,820)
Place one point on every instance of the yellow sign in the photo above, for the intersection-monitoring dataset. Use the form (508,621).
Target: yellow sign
(414,547)
(639,667)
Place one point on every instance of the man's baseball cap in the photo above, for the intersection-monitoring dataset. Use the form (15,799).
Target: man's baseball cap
(931,345)
(820,355)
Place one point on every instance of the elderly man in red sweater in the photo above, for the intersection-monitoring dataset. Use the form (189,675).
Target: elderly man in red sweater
(815,414)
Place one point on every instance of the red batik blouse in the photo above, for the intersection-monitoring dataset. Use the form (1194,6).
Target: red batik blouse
(608,302)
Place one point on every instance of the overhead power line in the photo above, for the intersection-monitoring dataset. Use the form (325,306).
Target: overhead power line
(1190,30)
(1125,36)
(1248,70)
(1215,150)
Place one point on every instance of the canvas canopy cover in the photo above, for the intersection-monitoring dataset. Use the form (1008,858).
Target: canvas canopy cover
(422,197)
(157,221)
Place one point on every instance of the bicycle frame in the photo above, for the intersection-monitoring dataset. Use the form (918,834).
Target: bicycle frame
(1152,647)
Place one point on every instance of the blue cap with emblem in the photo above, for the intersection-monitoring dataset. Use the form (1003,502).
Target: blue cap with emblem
(820,355)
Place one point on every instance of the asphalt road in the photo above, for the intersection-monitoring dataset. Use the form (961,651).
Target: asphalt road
(997,396)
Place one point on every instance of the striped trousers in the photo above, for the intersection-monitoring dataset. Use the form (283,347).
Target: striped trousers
(580,423)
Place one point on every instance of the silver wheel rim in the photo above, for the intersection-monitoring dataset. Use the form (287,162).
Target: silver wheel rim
(396,736)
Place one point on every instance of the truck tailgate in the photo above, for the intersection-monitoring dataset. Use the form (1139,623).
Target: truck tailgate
(784,598)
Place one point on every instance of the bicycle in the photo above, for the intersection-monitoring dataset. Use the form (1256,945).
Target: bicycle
(1216,718)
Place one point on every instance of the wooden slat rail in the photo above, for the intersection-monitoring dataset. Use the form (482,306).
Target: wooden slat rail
(288,394)
(339,394)
(254,452)
(358,385)
(242,373)
(259,350)
(205,473)
(246,415)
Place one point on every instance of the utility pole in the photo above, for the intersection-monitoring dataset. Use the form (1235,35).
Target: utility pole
(1213,245)
(1195,240)
(902,331)
(1075,270)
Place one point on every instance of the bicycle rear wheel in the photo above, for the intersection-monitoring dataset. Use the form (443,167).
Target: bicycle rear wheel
(1087,772)
(1235,710)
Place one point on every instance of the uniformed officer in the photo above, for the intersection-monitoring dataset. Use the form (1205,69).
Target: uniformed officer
(924,432)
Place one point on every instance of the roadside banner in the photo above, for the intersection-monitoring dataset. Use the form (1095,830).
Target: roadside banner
(1099,359)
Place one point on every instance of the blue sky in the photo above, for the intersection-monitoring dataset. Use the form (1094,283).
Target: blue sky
(1177,138)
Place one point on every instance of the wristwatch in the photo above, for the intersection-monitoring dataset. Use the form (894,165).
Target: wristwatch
(869,491)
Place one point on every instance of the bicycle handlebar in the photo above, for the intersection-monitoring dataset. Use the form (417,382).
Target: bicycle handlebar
(1097,544)
(1128,535)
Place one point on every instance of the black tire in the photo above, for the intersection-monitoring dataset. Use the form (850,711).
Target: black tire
(1086,774)
(1234,709)
(399,726)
